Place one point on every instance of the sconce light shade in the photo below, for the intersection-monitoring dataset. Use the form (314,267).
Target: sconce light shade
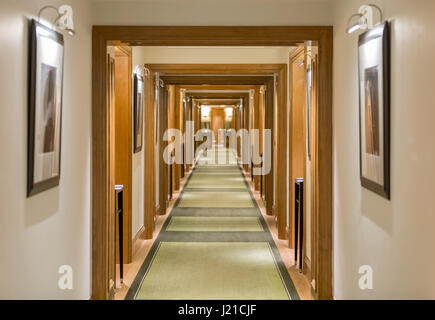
(365,14)
(64,20)
(354,27)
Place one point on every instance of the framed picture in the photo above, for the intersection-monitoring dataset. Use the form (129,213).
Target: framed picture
(374,109)
(45,108)
(138,112)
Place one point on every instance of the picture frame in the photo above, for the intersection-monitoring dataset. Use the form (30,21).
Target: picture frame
(139,93)
(46,60)
(374,109)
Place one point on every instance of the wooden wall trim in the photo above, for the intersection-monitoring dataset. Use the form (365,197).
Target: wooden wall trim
(246,116)
(281,153)
(314,174)
(177,117)
(269,124)
(224,78)
(123,138)
(137,240)
(256,125)
(163,167)
(296,127)
(111,219)
(213,35)
(306,268)
(230,89)
(171,125)
(324,167)
(100,169)
(197,123)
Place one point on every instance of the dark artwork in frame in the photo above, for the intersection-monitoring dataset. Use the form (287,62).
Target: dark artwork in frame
(46,52)
(374,109)
(138,112)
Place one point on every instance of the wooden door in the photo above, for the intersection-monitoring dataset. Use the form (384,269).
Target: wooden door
(269,125)
(171,125)
(196,117)
(297,130)
(246,116)
(111,258)
(262,126)
(183,130)
(149,146)
(313,141)
(188,147)
(162,127)
(217,123)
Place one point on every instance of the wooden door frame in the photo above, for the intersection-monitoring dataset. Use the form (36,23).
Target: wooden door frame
(102,36)
(294,57)
(256,126)
(217,102)
(175,74)
(314,167)
(171,122)
(163,166)
(177,125)
(110,283)
(122,51)
(233,91)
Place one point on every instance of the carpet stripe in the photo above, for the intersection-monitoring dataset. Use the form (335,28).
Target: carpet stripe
(188,207)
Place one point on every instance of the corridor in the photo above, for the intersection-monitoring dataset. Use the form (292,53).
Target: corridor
(215,243)
(318,180)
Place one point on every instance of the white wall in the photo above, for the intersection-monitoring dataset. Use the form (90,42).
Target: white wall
(41,233)
(395,237)
(137,196)
(213,12)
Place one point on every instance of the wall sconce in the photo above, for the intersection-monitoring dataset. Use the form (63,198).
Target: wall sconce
(365,21)
(64,20)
